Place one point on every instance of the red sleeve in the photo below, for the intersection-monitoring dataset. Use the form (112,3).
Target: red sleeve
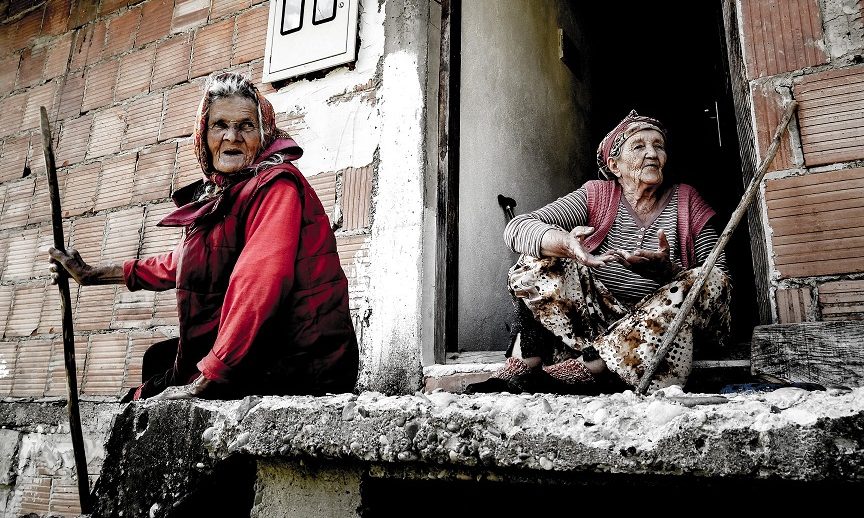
(156,273)
(262,277)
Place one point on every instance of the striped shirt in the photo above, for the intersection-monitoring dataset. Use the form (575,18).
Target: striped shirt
(524,233)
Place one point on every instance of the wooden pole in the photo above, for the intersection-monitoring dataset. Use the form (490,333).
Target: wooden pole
(66,310)
(749,196)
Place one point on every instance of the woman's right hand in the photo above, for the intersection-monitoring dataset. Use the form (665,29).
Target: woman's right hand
(72,263)
(557,243)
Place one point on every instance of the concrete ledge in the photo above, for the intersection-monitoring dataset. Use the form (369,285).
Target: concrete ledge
(159,452)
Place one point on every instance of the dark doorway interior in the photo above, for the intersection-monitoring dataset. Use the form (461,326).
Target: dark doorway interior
(670,63)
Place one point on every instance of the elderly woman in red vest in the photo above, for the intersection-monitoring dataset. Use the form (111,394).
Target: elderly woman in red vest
(261,296)
(603,272)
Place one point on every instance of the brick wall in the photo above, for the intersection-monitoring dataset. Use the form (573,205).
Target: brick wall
(810,50)
(121,82)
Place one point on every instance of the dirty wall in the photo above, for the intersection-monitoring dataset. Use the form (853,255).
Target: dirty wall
(121,81)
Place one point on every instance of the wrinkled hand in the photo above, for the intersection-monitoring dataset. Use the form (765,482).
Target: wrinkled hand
(194,389)
(72,263)
(574,249)
(655,265)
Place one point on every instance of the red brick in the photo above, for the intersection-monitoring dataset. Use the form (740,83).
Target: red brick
(19,262)
(7,365)
(181,105)
(12,109)
(122,235)
(142,121)
(5,306)
(189,14)
(133,309)
(155,21)
(221,8)
(767,105)
(64,497)
(43,95)
(40,207)
(116,182)
(35,492)
(26,29)
(106,362)
(101,81)
(57,57)
(80,188)
(188,169)
(172,62)
(97,34)
(356,197)
(251,35)
(81,39)
(57,365)
(86,237)
(158,240)
(155,171)
(211,49)
(121,32)
(9,72)
(74,137)
(107,7)
(13,158)
(56,19)
(32,65)
(95,315)
(82,12)
(107,134)
(31,366)
(71,95)
(134,75)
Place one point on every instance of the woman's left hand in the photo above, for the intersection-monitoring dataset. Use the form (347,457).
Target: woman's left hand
(655,265)
(194,389)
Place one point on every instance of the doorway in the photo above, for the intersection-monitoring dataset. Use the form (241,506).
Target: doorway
(541,83)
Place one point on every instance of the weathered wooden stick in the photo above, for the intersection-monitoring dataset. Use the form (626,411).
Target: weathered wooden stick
(749,196)
(68,335)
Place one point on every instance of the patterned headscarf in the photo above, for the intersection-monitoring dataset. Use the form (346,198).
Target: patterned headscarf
(612,142)
(228,84)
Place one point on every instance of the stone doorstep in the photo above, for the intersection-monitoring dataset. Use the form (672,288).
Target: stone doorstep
(454,377)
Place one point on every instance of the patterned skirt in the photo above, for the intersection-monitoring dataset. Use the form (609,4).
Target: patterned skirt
(561,311)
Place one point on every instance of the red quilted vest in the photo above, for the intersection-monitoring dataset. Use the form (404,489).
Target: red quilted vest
(310,346)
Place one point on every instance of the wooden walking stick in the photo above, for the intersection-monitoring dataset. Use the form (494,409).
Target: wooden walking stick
(68,336)
(749,195)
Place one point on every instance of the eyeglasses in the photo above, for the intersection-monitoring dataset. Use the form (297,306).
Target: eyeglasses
(242,128)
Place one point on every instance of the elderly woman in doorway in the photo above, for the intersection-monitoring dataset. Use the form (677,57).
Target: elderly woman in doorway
(603,272)
(261,296)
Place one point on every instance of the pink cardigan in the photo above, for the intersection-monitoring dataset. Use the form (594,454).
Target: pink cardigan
(604,197)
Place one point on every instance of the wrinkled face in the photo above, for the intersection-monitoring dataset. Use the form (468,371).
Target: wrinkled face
(641,161)
(233,134)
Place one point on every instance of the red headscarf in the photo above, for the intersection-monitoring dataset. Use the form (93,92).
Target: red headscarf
(611,143)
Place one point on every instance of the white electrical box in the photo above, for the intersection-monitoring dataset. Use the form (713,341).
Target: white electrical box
(308,35)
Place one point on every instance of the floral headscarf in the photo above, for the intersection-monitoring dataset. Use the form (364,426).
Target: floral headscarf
(245,88)
(612,142)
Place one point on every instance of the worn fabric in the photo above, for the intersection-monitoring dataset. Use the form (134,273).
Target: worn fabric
(262,299)
(612,142)
(566,301)
(622,229)
(604,199)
